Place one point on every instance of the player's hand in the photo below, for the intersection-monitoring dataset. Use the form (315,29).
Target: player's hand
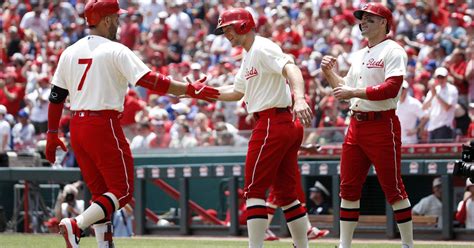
(302,110)
(52,142)
(310,148)
(202,91)
(343,92)
(328,63)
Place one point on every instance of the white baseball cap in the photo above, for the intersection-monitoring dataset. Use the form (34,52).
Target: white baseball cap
(405,84)
(319,187)
(195,66)
(163,14)
(437,182)
(441,71)
(469,183)
(3,109)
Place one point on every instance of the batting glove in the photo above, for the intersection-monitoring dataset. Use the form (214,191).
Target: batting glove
(52,142)
(202,91)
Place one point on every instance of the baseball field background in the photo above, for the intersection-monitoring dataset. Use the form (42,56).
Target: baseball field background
(51,240)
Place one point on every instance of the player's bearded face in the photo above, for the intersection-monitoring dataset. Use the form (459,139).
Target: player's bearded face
(113,26)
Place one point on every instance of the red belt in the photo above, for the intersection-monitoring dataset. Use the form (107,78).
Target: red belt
(372,116)
(271,112)
(97,113)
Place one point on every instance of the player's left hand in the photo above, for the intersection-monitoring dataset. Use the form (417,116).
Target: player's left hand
(52,142)
(202,91)
(302,110)
(343,92)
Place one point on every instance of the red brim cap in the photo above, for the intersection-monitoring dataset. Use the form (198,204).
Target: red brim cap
(122,11)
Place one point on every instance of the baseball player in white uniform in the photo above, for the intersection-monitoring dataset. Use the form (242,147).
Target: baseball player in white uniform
(273,148)
(95,73)
(373,87)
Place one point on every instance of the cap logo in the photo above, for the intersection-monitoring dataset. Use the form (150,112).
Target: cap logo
(366,6)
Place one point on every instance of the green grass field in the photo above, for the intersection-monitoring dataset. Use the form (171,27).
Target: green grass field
(50,241)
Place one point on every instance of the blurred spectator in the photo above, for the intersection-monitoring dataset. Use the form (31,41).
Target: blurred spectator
(11,93)
(457,69)
(13,41)
(162,137)
(319,202)
(462,120)
(469,75)
(345,57)
(202,129)
(432,204)
(36,21)
(62,12)
(10,16)
(465,210)
(241,205)
(143,138)
(129,31)
(178,20)
(5,132)
(246,121)
(38,103)
(410,112)
(220,49)
(175,49)
(287,38)
(132,105)
(123,222)
(195,72)
(220,117)
(184,138)
(440,103)
(150,11)
(23,133)
(452,34)
(67,204)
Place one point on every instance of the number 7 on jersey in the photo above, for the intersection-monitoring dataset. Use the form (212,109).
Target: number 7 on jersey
(87,62)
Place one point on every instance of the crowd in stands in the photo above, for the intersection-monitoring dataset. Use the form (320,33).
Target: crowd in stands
(176,38)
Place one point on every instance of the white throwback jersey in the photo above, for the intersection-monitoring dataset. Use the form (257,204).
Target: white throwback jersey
(371,67)
(96,72)
(260,77)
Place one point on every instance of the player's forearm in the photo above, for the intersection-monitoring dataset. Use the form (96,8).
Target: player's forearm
(229,94)
(360,93)
(177,88)
(293,74)
(333,79)
(55,111)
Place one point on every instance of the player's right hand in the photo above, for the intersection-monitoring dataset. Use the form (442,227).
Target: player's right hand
(328,63)
(52,142)
(202,91)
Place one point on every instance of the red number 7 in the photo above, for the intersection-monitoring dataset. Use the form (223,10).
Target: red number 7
(87,62)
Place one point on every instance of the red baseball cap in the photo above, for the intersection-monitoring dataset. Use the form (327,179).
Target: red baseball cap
(377,9)
(96,9)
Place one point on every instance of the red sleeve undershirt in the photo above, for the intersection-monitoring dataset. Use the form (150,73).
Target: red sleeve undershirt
(386,90)
(156,82)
